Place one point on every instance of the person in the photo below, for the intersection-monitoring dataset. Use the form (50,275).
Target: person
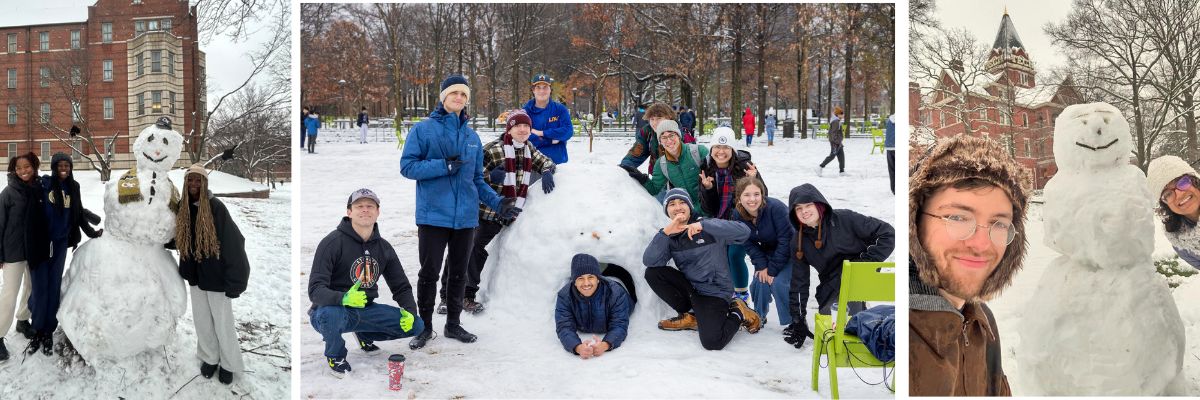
(363,123)
(303,126)
(889,144)
(66,218)
(698,290)
(24,241)
(825,237)
(212,258)
(1178,204)
(835,143)
(687,123)
(724,166)
(444,155)
(966,206)
(551,121)
(770,234)
(344,283)
(769,124)
(312,124)
(591,303)
(748,125)
(510,152)
(679,167)
(645,144)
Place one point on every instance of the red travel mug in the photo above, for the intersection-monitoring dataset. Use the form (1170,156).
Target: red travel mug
(395,371)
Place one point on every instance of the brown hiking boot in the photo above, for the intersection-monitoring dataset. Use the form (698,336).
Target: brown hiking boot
(685,321)
(750,319)
(472,306)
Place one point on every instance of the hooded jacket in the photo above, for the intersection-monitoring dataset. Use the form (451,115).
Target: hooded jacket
(227,273)
(844,235)
(835,131)
(311,125)
(770,236)
(703,259)
(710,199)
(77,217)
(343,258)
(645,145)
(445,199)
(748,121)
(606,311)
(24,231)
(555,123)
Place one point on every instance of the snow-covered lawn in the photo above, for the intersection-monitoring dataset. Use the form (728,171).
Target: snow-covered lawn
(263,315)
(518,354)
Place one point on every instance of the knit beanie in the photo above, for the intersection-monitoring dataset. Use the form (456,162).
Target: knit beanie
(667,126)
(1165,169)
(517,117)
(678,193)
(583,264)
(955,159)
(452,83)
(723,136)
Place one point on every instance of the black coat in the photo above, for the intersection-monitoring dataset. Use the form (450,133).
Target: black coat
(343,258)
(845,235)
(80,218)
(230,271)
(710,199)
(24,230)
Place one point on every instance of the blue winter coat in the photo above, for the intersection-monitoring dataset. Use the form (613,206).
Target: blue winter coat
(770,236)
(687,120)
(311,125)
(889,134)
(876,327)
(445,200)
(555,123)
(770,122)
(607,312)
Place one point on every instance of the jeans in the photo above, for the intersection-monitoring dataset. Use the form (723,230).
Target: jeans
(737,267)
(375,322)
(762,294)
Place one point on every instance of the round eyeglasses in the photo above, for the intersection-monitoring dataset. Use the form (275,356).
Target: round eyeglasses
(962,227)
(1180,184)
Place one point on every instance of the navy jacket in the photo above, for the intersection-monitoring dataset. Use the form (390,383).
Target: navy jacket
(343,258)
(607,312)
(687,120)
(769,237)
(75,218)
(555,123)
(845,235)
(362,119)
(444,199)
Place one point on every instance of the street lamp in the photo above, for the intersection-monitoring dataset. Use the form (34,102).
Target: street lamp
(342,85)
(776,79)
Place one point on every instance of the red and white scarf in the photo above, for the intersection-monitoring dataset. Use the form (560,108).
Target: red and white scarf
(513,187)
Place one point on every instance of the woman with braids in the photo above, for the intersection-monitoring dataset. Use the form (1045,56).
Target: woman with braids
(212,258)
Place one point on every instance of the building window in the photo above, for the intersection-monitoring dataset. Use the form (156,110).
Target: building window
(108,108)
(140,64)
(43,41)
(75,39)
(1028,149)
(76,114)
(141,104)
(12,78)
(171,63)
(45,150)
(1025,120)
(12,150)
(12,43)
(108,70)
(45,116)
(166,24)
(156,101)
(983,114)
(139,27)
(152,25)
(76,76)
(106,32)
(44,73)
(172,100)
(12,114)
(156,61)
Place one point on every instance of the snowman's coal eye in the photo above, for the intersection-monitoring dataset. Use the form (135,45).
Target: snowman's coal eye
(164,140)
(580,233)
(151,138)
(1106,120)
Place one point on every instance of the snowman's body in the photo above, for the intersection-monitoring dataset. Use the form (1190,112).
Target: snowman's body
(123,293)
(1105,322)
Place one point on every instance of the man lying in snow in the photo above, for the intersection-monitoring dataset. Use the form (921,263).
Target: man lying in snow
(591,303)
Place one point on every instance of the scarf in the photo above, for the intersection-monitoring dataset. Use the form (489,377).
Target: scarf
(725,185)
(129,190)
(513,187)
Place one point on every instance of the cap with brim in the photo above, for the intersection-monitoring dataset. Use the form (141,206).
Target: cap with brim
(360,194)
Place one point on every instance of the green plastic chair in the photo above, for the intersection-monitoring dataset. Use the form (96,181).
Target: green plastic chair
(861,281)
(877,140)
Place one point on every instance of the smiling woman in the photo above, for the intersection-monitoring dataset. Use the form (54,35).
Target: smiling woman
(1178,204)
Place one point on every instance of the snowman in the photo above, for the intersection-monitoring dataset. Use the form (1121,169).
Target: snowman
(123,293)
(1105,321)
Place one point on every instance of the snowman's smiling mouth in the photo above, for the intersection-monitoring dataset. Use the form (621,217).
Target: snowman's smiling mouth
(1097,148)
(160,159)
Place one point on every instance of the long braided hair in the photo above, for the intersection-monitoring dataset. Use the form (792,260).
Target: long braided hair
(206,244)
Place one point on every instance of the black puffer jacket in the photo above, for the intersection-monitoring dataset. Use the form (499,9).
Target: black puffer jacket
(230,271)
(343,258)
(24,230)
(80,218)
(844,235)
(710,199)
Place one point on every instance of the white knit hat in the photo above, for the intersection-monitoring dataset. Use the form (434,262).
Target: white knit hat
(1165,169)
(723,136)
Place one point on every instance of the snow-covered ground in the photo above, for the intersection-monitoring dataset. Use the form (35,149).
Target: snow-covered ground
(263,315)
(1010,307)
(515,356)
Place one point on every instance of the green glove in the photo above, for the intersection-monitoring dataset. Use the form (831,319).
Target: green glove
(354,297)
(406,320)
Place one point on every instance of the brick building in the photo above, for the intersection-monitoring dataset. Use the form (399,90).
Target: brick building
(1006,104)
(115,73)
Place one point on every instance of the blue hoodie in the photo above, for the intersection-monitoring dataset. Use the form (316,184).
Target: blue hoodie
(555,123)
(443,199)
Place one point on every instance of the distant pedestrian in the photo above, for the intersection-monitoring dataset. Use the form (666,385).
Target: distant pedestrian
(363,123)
(312,123)
(889,144)
(303,126)
(835,143)
(748,125)
(769,124)
(687,123)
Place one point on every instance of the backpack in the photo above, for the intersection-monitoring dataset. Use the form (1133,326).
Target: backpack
(662,162)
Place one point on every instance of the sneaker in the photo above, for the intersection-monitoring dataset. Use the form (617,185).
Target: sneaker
(368,347)
(24,328)
(226,377)
(3,351)
(750,319)
(207,370)
(685,321)
(420,341)
(338,367)
(442,307)
(456,331)
(820,170)
(472,306)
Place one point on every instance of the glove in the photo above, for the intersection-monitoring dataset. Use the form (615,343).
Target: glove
(795,333)
(508,209)
(548,181)
(406,320)
(497,175)
(354,297)
(636,175)
(453,164)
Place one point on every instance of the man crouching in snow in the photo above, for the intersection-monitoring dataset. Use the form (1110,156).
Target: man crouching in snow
(700,290)
(212,258)
(343,285)
(594,304)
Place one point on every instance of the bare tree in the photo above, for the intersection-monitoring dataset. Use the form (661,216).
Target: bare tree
(258,125)
(950,67)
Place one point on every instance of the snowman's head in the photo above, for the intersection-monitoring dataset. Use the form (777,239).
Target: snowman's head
(157,147)
(1091,136)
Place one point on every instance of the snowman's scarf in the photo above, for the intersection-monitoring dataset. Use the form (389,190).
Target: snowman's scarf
(512,188)
(129,190)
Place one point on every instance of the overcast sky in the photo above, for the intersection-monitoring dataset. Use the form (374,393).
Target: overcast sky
(226,61)
(982,18)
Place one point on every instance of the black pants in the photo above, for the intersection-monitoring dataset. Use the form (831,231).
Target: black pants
(432,244)
(715,322)
(312,143)
(622,275)
(835,150)
(484,233)
(891,160)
